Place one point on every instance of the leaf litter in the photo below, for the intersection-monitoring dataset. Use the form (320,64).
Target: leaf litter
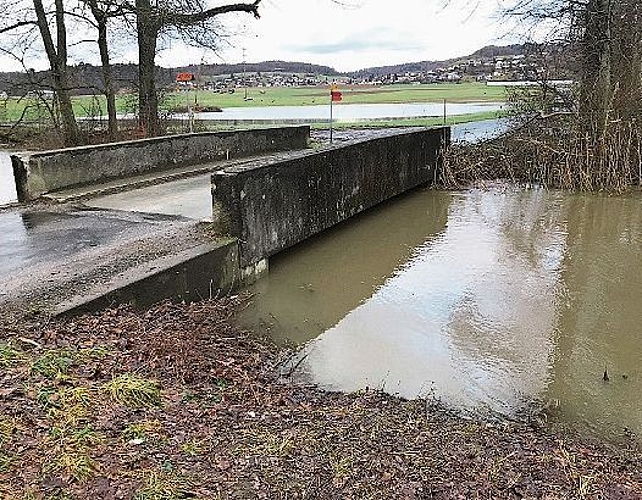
(177,402)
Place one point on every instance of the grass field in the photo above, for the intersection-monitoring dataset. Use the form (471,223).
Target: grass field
(12,109)
(389,94)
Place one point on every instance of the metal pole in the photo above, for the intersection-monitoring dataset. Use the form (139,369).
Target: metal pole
(330,116)
(445,112)
(189,111)
(244,78)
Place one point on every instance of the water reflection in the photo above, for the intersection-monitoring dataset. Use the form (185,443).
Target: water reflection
(467,318)
(486,299)
(318,283)
(600,322)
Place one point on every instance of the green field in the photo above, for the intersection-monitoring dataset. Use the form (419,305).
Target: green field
(389,94)
(12,109)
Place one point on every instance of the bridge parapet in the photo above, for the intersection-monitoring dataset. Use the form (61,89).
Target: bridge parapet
(50,171)
(275,205)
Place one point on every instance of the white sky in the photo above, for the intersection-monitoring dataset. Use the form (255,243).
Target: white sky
(344,34)
(353,34)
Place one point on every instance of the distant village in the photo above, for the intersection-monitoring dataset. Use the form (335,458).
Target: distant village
(491,64)
(500,68)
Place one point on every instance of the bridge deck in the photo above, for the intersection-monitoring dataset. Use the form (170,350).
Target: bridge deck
(190,198)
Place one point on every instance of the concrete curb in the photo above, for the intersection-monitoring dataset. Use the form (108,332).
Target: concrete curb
(204,271)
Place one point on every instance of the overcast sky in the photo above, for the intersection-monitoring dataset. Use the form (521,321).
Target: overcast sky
(353,34)
(344,34)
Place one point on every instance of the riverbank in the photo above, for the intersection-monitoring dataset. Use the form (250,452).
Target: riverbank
(178,402)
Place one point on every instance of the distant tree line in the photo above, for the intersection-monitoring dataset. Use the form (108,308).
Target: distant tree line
(86,79)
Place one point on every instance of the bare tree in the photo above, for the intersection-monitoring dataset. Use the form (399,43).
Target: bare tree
(26,19)
(57,56)
(596,94)
(587,137)
(170,18)
(102,12)
(626,56)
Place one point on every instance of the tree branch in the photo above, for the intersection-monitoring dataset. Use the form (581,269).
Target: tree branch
(197,17)
(16,26)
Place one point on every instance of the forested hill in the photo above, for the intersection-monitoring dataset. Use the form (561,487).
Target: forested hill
(259,67)
(484,54)
(87,78)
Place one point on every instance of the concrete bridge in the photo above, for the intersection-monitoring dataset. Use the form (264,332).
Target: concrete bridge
(189,216)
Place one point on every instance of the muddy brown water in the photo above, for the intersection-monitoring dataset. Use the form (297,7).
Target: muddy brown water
(487,299)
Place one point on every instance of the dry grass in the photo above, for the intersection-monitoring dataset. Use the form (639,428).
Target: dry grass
(134,391)
(8,354)
(164,485)
(556,152)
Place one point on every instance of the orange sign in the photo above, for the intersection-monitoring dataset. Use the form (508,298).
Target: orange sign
(185,77)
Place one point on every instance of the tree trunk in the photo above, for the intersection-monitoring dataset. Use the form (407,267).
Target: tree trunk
(58,63)
(148,29)
(110,93)
(101,21)
(627,59)
(596,93)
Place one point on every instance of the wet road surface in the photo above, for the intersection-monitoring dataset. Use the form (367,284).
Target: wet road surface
(37,241)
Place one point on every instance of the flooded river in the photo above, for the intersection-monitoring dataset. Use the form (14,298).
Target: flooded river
(486,299)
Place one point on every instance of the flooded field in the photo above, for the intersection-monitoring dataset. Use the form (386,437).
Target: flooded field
(350,112)
(486,299)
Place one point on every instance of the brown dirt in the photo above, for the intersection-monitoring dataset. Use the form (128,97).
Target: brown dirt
(226,427)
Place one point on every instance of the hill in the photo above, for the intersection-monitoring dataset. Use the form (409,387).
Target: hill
(86,78)
(527,61)
(484,55)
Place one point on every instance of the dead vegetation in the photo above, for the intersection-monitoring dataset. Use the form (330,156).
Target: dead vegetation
(553,151)
(555,142)
(175,402)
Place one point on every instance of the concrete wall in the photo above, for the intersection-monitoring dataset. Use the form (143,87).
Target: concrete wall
(50,171)
(270,207)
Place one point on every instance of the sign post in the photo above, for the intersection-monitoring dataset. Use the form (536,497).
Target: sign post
(335,96)
(331,101)
(188,79)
